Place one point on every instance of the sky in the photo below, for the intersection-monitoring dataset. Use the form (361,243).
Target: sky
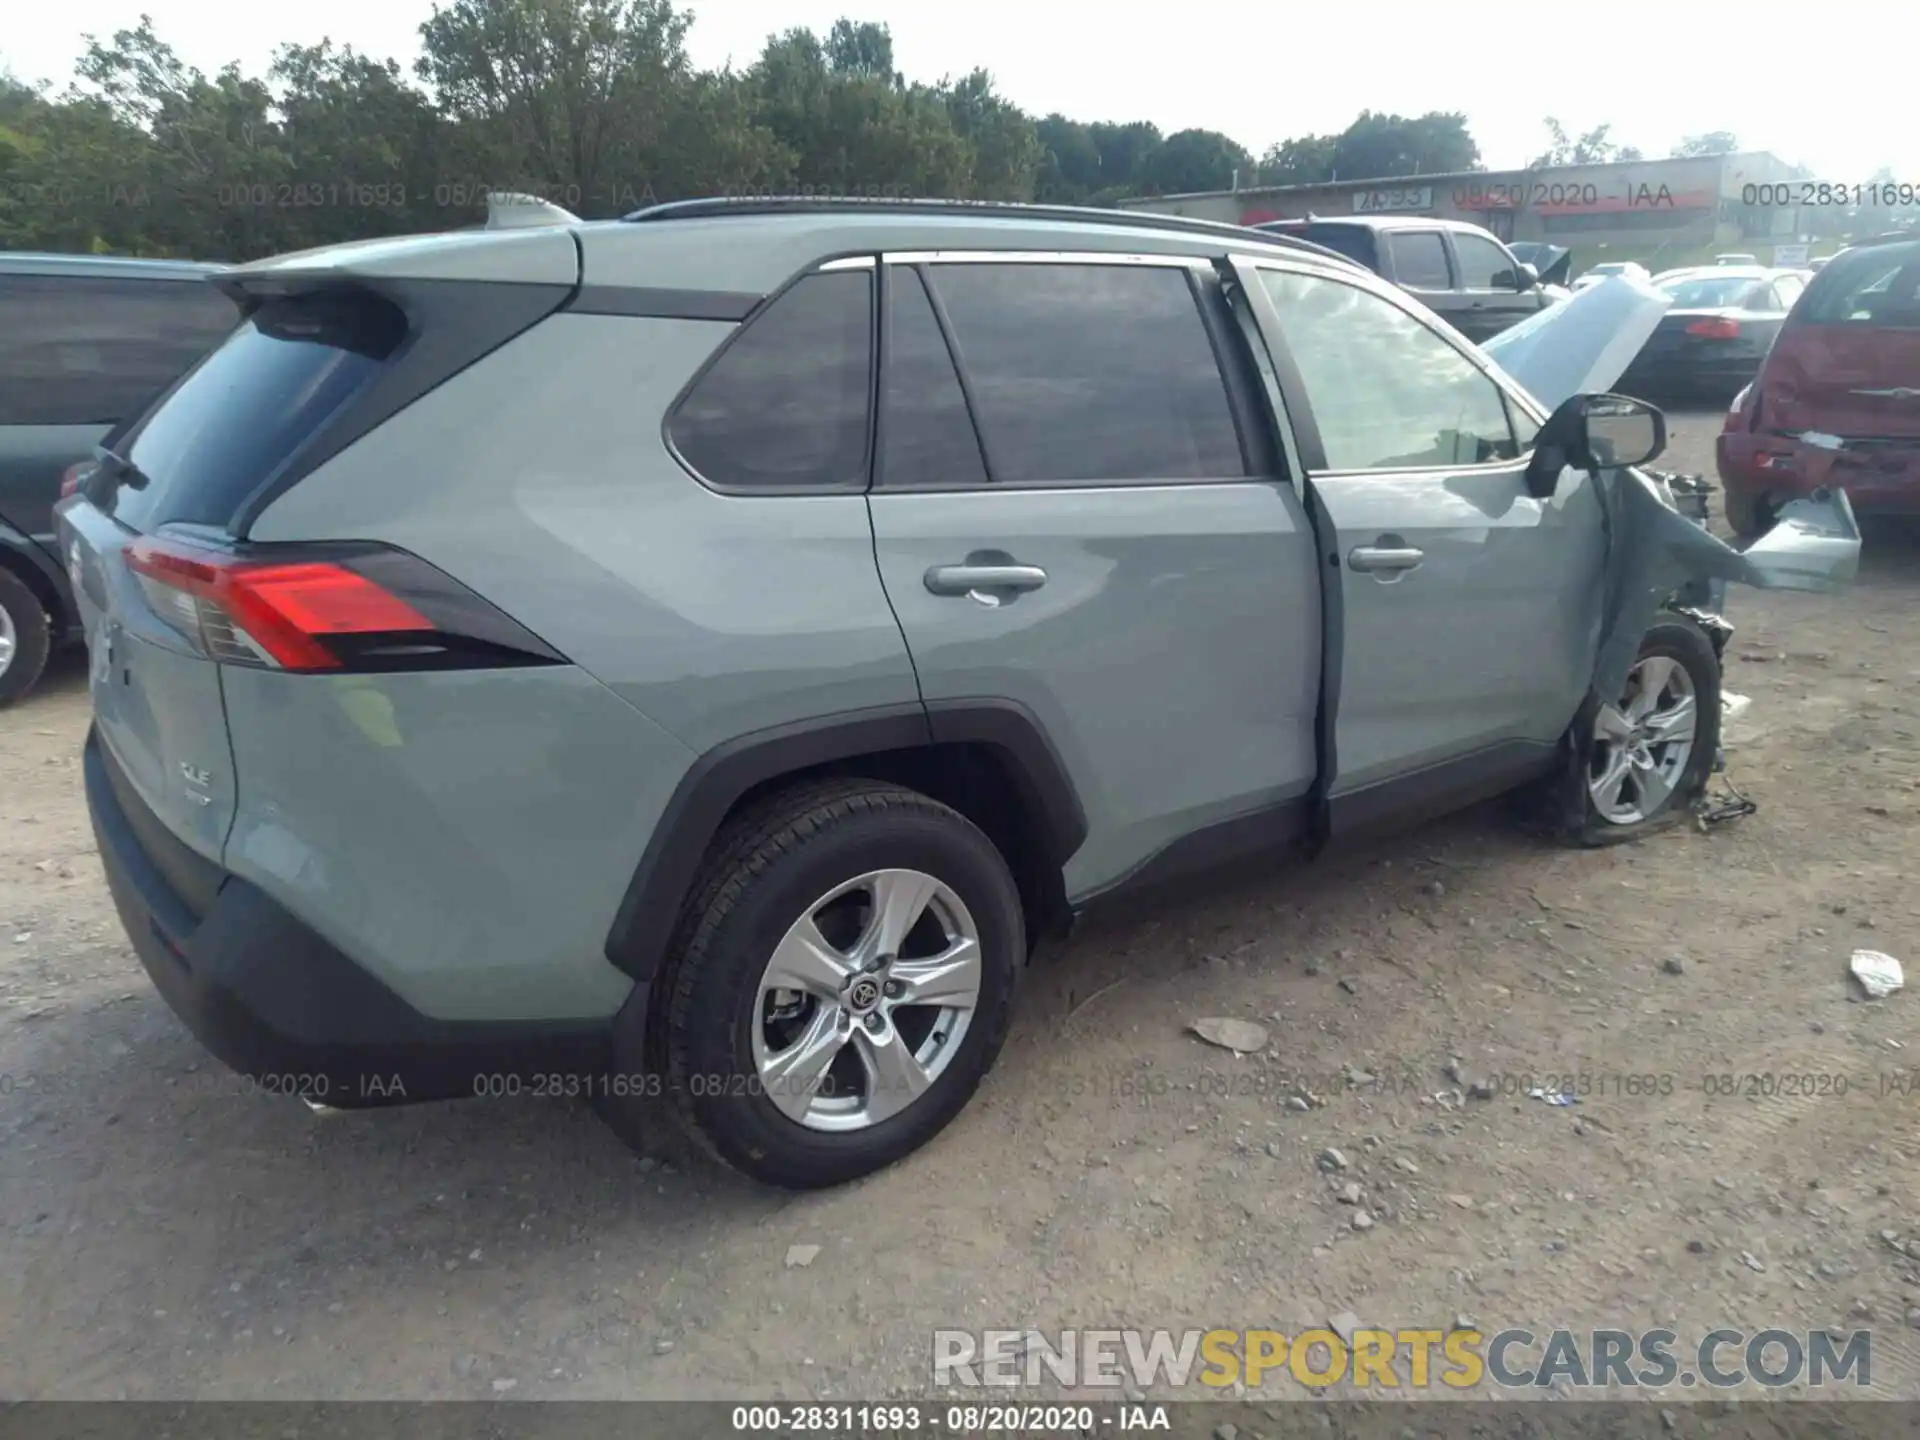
(1259,70)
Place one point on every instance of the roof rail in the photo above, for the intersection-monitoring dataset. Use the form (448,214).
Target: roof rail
(1018,210)
(507,210)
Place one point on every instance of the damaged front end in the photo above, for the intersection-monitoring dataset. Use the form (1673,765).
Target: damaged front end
(1660,554)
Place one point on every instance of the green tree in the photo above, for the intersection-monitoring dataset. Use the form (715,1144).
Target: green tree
(1385,146)
(1006,150)
(855,132)
(1595,147)
(1190,160)
(1305,160)
(1716,142)
(1069,165)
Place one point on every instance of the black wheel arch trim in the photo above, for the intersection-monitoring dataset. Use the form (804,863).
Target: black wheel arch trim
(650,910)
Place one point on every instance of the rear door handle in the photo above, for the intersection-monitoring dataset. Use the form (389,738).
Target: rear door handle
(1374,558)
(983,581)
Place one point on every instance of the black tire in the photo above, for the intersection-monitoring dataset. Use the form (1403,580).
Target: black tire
(32,632)
(1681,640)
(762,872)
(1748,516)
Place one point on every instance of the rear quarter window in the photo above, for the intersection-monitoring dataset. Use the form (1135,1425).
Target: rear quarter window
(237,420)
(92,350)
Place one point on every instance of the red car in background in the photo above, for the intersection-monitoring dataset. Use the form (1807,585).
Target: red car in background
(1837,400)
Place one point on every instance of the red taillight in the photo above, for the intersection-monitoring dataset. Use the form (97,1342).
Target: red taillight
(73,477)
(1715,329)
(252,611)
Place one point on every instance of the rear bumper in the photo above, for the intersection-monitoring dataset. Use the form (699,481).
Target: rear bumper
(1681,375)
(1883,480)
(273,1000)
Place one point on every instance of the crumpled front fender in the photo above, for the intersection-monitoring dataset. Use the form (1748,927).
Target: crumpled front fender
(1654,550)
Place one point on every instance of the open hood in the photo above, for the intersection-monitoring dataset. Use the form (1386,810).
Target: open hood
(1581,347)
(1583,344)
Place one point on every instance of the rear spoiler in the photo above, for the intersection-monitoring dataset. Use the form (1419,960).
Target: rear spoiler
(509,210)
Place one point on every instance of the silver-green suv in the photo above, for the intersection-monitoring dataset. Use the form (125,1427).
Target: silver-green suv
(703,655)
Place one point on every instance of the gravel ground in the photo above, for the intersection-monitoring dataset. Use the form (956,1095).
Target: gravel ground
(166,1234)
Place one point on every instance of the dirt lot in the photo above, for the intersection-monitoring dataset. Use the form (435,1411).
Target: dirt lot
(167,1235)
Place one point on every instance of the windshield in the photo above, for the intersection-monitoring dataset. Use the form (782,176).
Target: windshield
(1709,292)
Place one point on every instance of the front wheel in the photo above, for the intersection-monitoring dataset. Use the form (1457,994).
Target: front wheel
(1649,754)
(844,980)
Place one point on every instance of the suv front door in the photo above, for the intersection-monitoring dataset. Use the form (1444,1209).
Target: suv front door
(1467,612)
(1077,510)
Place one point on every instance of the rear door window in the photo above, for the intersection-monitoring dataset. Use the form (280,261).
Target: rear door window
(1879,285)
(94,350)
(237,420)
(1483,265)
(787,404)
(1090,372)
(1419,259)
(926,435)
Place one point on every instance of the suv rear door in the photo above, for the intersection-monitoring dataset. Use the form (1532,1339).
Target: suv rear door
(1847,360)
(1495,289)
(1113,548)
(80,354)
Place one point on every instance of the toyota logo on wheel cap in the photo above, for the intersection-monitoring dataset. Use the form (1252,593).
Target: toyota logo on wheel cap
(864,994)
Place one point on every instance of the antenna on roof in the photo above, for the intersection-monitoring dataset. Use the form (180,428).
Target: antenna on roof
(507,210)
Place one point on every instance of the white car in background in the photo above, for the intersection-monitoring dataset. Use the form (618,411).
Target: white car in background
(1609,269)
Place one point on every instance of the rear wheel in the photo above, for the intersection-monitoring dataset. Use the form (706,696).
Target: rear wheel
(844,979)
(25,636)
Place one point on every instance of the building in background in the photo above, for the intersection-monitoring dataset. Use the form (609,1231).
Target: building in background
(1637,209)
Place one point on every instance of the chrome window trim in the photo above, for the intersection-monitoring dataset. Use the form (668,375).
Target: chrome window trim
(1045,257)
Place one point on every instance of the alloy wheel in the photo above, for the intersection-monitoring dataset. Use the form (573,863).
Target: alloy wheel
(865,1000)
(1641,747)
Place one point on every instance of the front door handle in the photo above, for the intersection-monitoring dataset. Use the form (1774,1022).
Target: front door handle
(1372,559)
(985,583)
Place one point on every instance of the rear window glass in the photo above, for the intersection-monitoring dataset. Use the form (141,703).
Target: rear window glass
(1711,291)
(87,350)
(1353,241)
(1875,286)
(237,420)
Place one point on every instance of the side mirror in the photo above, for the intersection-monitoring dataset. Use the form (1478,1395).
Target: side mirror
(1529,277)
(1593,433)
